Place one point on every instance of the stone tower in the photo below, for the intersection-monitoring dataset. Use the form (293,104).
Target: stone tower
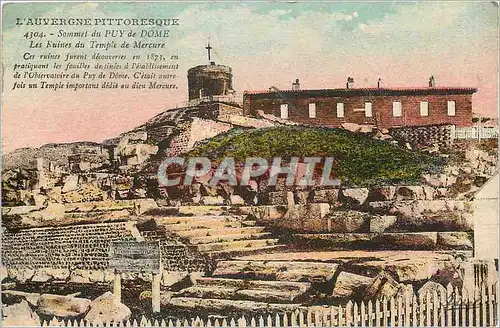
(210,82)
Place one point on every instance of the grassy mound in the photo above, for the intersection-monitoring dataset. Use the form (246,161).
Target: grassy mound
(359,159)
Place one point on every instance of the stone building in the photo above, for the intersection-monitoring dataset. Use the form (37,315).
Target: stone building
(382,107)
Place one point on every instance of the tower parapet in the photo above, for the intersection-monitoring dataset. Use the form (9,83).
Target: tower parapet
(210,82)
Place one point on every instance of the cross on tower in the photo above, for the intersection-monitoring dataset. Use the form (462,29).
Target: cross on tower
(208,47)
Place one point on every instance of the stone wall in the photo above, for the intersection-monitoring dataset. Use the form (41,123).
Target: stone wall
(79,246)
(199,129)
(422,136)
(182,258)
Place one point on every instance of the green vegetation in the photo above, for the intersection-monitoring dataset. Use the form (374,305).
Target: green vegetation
(359,159)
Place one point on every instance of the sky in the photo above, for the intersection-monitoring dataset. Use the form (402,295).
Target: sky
(266,44)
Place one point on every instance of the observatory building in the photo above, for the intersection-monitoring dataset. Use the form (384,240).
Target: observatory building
(210,82)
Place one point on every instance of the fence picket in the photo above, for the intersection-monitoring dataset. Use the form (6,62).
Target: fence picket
(340,319)
(370,313)
(355,315)
(399,321)
(463,309)
(232,323)
(449,297)
(477,306)
(277,321)
(456,306)
(294,319)
(414,316)
(253,324)
(483,304)
(377,313)
(216,322)
(428,309)
(317,319)
(363,315)
(224,323)
(301,318)
(348,314)
(309,319)
(435,308)
(407,311)
(285,319)
(325,317)
(421,310)
(384,312)
(392,312)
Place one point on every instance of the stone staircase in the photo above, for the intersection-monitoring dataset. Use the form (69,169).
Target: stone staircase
(219,235)
(254,286)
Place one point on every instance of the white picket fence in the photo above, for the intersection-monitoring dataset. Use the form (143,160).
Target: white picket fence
(476,132)
(452,307)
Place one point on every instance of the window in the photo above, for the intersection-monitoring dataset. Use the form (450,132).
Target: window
(284,111)
(340,109)
(312,110)
(368,109)
(451,108)
(397,109)
(424,108)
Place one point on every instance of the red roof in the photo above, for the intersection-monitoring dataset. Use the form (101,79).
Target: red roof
(371,91)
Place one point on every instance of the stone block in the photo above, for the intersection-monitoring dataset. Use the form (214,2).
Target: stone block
(212,200)
(277,198)
(107,308)
(408,240)
(350,286)
(329,196)
(353,197)
(382,286)
(347,221)
(236,200)
(454,240)
(384,193)
(62,306)
(379,224)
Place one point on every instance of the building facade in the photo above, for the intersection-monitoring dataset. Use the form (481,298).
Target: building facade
(383,107)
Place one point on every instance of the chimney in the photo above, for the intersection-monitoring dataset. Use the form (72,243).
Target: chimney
(350,82)
(378,82)
(432,82)
(296,85)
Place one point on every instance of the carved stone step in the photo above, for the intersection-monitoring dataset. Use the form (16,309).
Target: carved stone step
(227,237)
(166,220)
(253,284)
(207,224)
(239,244)
(276,270)
(204,232)
(233,293)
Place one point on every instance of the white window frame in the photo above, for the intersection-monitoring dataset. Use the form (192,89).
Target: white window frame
(340,110)
(397,109)
(368,109)
(312,110)
(451,108)
(284,111)
(424,110)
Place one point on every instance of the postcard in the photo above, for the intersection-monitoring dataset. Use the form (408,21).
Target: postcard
(250,164)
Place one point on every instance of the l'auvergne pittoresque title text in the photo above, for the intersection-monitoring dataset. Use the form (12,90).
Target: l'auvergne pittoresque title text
(95,53)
